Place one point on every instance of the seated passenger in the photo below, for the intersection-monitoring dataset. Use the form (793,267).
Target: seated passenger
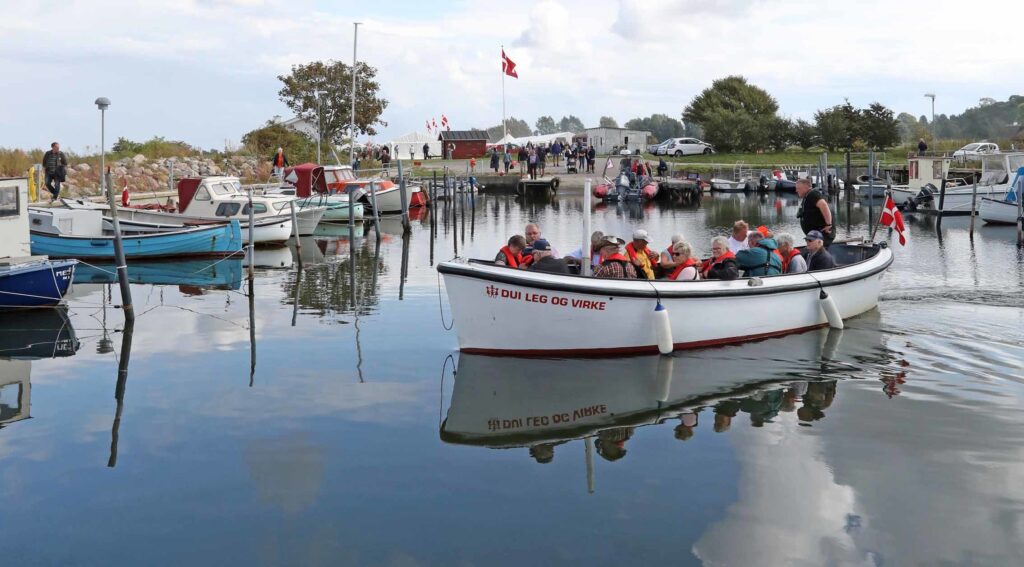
(792,261)
(818,258)
(738,240)
(759,259)
(613,263)
(595,250)
(667,260)
(543,261)
(511,254)
(687,268)
(642,257)
(722,264)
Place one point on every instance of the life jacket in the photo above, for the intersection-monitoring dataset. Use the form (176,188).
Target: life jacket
(644,259)
(793,253)
(679,269)
(616,257)
(712,262)
(512,260)
(279,160)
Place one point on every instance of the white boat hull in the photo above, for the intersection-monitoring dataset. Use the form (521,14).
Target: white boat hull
(499,310)
(308,218)
(958,199)
(997,211)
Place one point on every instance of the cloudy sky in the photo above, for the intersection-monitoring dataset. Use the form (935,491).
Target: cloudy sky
(204,71)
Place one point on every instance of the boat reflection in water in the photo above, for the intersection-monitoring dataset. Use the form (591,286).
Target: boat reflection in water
(206,274)
(541,403)
(26,336)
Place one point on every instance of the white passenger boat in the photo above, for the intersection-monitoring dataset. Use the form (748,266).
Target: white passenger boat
(1005,210)
(499,310)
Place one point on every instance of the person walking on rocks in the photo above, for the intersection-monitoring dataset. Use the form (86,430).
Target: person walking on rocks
(279,162)
(55,163)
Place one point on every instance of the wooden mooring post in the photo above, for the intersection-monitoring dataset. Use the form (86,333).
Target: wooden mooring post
(942,204)
(974,203)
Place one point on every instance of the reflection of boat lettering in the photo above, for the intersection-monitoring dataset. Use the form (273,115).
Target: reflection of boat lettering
(495,424)
(547,299)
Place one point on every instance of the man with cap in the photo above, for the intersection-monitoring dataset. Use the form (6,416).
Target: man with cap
(613,263)
(642,257)
(818,257)
(543,261)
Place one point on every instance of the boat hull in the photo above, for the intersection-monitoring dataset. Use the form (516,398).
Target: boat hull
(604,192)
(998,211)
(35,284)
(337,207)
(958,199)
(502,311)
(212,241)
(722,186)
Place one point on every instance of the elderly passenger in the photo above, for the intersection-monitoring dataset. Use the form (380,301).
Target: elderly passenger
(687,268)
(722,264)
(667,258)
(792,261)
(738,240)
(818,257)
(595,250)
(759,259)
(511,254)
(613,263)
(543,261)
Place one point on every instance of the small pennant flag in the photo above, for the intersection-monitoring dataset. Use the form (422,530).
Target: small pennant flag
(508,66)
(434,122)
(444,122)
(428,127)
(893,218)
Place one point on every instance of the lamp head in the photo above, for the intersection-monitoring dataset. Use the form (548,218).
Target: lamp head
(102,103)
(930,95)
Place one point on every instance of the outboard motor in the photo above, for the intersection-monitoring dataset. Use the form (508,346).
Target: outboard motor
(924,199)
(762,184)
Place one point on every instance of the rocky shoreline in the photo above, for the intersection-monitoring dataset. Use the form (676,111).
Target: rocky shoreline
(145,175)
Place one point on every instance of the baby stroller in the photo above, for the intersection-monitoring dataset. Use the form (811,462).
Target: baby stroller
(571,165)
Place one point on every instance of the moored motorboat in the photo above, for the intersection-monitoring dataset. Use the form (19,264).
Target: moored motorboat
(1006,210)
(341,178)
(307,184)
(927,173)
(631,183)
(69,233)
(499,310)
(719,185)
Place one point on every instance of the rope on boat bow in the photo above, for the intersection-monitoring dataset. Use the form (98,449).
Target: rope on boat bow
(440,306)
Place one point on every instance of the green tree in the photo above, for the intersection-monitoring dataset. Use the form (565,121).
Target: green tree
(661,126)
(805,134)
(780,134)
(838,126)
(516,128)
(546,125)
(570,124)
(334,80)
(734,114)
(125,146)
(607,122)
(877,127)
(264,141)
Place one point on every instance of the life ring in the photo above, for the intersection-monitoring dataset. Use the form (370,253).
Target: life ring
(554,184)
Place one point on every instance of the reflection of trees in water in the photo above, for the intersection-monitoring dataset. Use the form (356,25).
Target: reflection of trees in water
(327,288)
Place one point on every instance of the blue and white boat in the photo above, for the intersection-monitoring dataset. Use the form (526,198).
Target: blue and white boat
(25,280)
(79,233)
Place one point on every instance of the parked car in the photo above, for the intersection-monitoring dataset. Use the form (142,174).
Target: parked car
(977,149)
(653,148)
(684,147)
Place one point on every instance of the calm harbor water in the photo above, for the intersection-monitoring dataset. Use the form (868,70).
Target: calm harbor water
(326,427)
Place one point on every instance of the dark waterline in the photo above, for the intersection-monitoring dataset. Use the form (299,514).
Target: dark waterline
(345,437)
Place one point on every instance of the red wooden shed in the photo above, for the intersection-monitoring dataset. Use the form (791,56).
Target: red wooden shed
(463,144)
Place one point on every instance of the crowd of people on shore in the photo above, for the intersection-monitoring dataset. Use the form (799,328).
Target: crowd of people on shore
(533,160)
(746,252)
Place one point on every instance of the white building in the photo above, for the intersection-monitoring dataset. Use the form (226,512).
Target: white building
(611,140)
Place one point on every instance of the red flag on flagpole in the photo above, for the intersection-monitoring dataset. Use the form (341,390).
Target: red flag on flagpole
(507,66)
(444,122)
(434,122)
(893,218)
(428,126)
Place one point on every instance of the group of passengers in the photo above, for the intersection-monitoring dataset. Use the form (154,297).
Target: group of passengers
(746,253)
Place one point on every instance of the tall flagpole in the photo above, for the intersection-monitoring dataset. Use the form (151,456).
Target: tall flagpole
(504,126)
(352,124)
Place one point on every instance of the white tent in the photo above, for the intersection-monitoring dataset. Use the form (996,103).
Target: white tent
(547,139)
(401,146)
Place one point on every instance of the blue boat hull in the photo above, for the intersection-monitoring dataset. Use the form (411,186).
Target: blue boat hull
(213,241)
(36,284)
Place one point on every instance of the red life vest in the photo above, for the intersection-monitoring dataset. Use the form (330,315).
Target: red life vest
(679,269)
(512,260)
(712,262)
(631,250)
(785,261)
(616,257)
(279,160)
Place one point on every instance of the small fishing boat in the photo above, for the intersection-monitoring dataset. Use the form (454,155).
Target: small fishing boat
(26,280)
(307,184)
(1007,209)
(71,233)
(499,310)
(341,178)
(628,185)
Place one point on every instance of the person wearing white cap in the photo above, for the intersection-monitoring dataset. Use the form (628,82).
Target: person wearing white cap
(642,257)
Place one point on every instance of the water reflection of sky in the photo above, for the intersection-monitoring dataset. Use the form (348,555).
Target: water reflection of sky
(893,442)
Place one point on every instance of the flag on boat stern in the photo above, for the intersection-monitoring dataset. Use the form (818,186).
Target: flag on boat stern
(508,66)
(893,218)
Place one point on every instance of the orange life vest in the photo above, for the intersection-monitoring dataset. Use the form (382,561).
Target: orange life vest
(786,260)
(679,269)
(631,250)
(279,160)
(712,262)
(512,260)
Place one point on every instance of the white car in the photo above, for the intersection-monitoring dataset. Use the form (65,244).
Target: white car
(653,148)
(684,147)
(976,149)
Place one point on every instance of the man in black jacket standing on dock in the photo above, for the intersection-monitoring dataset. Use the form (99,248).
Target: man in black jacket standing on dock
(55,163)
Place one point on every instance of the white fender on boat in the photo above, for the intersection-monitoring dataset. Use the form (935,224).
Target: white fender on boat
(663,329)
(828,306)
(663,381)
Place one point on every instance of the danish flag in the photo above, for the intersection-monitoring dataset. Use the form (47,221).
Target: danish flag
(508,66)
(444,122)
(434,122)
(428,126)
(893,218)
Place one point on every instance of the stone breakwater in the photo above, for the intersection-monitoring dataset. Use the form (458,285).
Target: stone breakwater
(149,175)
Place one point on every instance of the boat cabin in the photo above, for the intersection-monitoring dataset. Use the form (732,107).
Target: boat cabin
(222,197)
(997,169)
(14,239)
(304,180)
(925,170)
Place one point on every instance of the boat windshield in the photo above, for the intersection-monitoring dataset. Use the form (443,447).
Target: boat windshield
(221,189)
(281,206)
(339,175)
(993,169)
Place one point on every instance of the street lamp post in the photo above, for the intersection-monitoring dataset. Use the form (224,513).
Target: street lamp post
(319,132)
(352,123)
(932,96)
(122,267)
